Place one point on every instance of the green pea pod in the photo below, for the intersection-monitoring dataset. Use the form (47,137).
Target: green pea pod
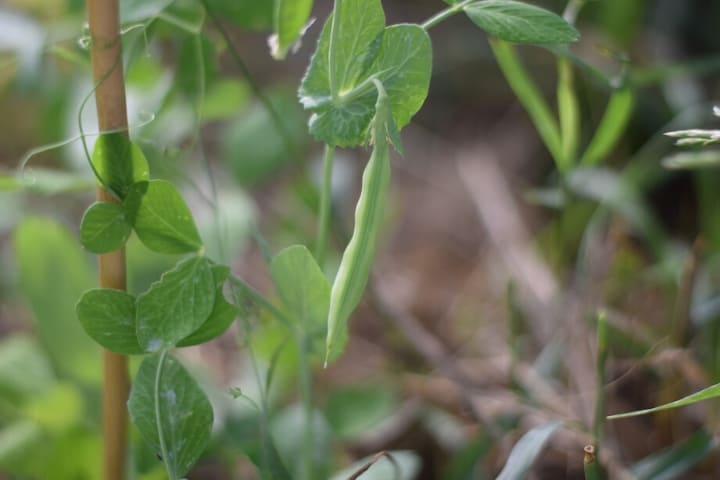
(354,270)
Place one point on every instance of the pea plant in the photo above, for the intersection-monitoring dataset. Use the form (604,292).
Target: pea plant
(364,83)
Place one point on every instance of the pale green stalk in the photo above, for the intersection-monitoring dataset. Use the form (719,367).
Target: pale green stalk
(325,200)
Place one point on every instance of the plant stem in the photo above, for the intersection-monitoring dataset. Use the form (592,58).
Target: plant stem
(445,14)
(325,200)
(306,394)
(529,96)
(106,57)
(164,453)
(599,417)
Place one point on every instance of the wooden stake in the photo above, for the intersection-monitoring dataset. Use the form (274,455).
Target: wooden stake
(106,56)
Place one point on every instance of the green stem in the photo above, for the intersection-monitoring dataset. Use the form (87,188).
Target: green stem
(164,453)
(325,201)
(569,113)
(307,402)
(445,14)
(334,27)
(529,96)
(599,417)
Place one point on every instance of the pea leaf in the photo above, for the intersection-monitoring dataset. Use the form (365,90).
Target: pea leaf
(119,163)
(108,316)
(104,228)
(161,218)
(290,18)
(175,408)
(222,315)
(338,86)
(175,306)
(520,22)
(303,288)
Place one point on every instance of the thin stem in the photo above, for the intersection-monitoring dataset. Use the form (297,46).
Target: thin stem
(258,298)
(569,113)
(445,14)
(106,55)
(307,402)
(599,417)
(254,86)
(325,201)
(164,453)
(334,32)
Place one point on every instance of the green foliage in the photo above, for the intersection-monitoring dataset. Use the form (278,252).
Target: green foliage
(676,460)
(354,48)
(353,411)
(290,18)
(104,227)
(108,316)
(398,465)
(118,163)
(44,249)
(176,305)
(519,22)
(161,218)
(303,288)
(172,413)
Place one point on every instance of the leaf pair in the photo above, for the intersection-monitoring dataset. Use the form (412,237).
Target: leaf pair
(185,307)
(354,48)
(154,208)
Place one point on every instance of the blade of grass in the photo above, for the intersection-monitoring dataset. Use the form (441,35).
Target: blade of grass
(529,96)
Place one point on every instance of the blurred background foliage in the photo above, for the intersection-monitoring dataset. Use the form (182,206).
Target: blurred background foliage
(631,236)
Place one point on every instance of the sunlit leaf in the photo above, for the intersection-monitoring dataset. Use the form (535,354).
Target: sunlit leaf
(290,18)
(519,22)
(119,162)
(161,218)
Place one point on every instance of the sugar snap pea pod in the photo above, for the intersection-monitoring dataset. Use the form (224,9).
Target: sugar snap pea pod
(357,258)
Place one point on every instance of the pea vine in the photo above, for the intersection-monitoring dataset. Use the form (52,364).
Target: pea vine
(365,82)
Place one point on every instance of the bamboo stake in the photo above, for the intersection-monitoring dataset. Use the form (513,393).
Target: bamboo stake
(106,56)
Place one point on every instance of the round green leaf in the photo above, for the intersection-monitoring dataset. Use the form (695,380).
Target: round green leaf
(119,163)
(108,316)
(175,306)
(174,407)
(104,228)
(520,22)
(222,315)
(161,218)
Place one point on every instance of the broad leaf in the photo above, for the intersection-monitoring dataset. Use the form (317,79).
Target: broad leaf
(222,315)
(403,64)
(119,163)
(352,51)
(290,18)
(175,306)
(140,10)
(104,228)
(288,433)
(526,450)
(175,408)
(24,369)
(303,288)
(108,316)
(519,22)
(161,218)
(54,273)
